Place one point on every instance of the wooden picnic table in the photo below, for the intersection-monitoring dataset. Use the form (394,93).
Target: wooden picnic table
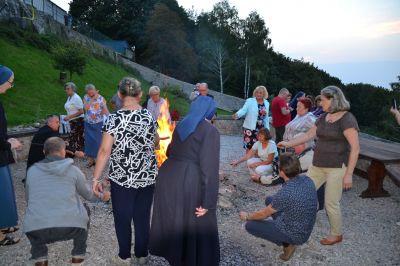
(380,154)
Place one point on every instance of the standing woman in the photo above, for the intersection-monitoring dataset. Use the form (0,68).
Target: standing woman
(129,139)
(95,109)
(8,206)
(256,110)
(184,224)
(335,155)
(74,108)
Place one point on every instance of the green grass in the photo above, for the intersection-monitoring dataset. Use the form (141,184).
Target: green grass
(38,92)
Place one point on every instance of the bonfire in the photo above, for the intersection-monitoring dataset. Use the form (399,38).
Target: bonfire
(165,129)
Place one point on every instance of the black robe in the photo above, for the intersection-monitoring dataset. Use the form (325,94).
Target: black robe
(36,150)
(188,179)
(6,156)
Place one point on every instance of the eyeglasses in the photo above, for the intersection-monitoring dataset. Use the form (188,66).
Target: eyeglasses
(11,83)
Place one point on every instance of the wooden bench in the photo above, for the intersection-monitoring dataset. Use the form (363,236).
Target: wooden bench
(385,159)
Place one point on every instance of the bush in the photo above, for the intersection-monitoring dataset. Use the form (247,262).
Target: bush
(72,58)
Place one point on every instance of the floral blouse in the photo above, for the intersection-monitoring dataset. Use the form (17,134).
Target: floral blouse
(94,109)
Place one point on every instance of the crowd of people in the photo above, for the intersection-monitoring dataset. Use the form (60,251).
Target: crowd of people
(173,208)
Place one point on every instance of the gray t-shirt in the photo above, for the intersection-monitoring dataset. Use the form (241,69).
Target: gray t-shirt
(332,149)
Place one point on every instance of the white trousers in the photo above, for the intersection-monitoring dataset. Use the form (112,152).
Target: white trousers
(260,170)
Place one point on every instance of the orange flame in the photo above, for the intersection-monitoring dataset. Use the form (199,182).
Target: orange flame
(165,129)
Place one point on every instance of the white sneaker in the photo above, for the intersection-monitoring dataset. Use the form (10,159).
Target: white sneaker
(143,260)
(118,261)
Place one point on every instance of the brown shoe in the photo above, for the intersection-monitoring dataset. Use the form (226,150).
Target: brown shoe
(287,252)
(336,239)
(42,263)
(77,261)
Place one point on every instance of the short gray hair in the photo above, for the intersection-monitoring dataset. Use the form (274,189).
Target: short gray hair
(70,85)
(90,87)
(129,87)
(284,91)
(154,89)
(53,145)
(51,117)
(339,102)
(204,84)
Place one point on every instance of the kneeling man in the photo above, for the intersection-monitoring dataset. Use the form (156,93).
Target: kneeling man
(293,210)
(54,209)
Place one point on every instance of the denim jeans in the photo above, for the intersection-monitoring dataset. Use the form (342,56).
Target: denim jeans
(40,238)
(267,230)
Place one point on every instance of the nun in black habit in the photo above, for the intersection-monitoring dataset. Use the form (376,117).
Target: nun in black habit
(184,225)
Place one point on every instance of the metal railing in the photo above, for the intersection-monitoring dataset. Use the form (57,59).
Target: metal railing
(49,8)
(58,14)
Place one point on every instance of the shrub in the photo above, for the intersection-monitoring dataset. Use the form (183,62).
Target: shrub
(72,58)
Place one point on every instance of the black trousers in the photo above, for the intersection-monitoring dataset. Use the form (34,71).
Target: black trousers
(132,204)
(279,131)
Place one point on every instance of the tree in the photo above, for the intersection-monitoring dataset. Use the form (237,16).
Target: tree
(71,58)
(254,44)
(168,50)
(214,56)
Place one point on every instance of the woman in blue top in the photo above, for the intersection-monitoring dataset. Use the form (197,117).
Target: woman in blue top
(255,110)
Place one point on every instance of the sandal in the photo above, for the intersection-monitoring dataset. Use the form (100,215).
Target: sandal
(10,230)
(8,240)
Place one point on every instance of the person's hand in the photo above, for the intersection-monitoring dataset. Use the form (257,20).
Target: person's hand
(394,111)
(283,144)
(234,163)
(243,215)
(235,116)
(200,211)
(79,154)
(15,144)
(106,196)
(347,182)
(66,118)
(97,187)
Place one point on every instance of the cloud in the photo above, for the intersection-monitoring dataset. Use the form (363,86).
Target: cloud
(382,29)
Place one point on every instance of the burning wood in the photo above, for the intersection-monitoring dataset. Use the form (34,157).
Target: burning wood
(165,129)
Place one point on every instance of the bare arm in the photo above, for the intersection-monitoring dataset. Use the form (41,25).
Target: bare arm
(105,109)
(101,161)
(351,135)
(396,114)
(285,110)
(248,155)
(69,117)
(258,215)
(266,162)
(310,134)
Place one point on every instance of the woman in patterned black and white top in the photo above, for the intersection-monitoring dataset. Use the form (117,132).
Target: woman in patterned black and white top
(129,140)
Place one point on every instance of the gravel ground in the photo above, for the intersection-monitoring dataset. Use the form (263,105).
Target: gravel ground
(372,226)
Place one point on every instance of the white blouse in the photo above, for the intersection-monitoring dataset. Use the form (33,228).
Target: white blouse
(73,104)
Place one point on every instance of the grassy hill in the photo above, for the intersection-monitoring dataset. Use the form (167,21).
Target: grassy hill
(38,92)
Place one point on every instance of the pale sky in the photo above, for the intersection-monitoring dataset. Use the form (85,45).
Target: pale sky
(355,40)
